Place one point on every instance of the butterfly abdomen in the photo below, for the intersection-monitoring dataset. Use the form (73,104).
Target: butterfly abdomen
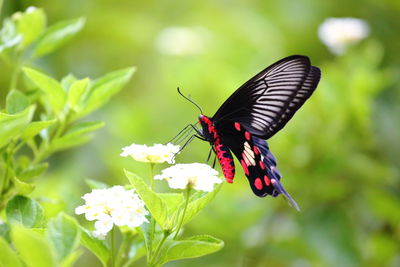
(224,156)
(226,160)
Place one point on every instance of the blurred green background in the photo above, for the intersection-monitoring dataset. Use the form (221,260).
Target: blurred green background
(340,154)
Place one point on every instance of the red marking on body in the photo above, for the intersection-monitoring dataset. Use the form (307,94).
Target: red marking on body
(246,170)
(258,183)
(247,135)
(262,165)
(226,163)
(237,126)
(267,180)
(256,151)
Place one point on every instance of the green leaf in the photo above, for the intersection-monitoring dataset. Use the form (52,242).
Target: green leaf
(104,88)
(32,246)
(96,246)
(75,92)
(77,135)
(22,188)
(195,206)
(136,251)
(16,101)
(11,126)
(146,230)
(55,94)
(67,81)
(33,171)
(173,201)
(64,235)
(93,184)
(8,257)
(57,35)
(70,259)
(23,210)
(193,247)
(35,128)
(154,203)
(30,25)
(5,231)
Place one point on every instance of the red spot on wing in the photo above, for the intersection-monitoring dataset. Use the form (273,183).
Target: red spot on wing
(247,135)
(256,151)
(237,126)
(245,168)
(258,183)
(267,180)
(262,165)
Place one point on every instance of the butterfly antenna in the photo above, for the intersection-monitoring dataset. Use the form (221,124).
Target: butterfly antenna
(190,100)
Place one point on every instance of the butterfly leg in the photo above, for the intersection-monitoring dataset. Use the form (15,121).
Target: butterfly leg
(215,160)
(209,155)
(184,132)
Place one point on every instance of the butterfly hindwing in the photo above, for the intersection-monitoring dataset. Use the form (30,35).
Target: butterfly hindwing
(240,142)
(257,161)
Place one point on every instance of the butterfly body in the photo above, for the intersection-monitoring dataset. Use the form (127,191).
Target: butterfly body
(255,112)
(224,156)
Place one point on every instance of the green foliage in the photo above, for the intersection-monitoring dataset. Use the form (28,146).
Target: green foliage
(53,92)
(57,35)
(32,246)
(339,155)
(8,257)
(95,246)
(25,211)
(195,246)
(41,114)
(154,203)
(64,234)
(170,211)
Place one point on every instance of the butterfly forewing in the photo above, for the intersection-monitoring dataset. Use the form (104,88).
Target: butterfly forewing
(266,102)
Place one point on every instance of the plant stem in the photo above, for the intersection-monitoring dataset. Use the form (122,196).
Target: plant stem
(15,73)
(112,247)
(157,251)
(152,221)
(122,250)
(152,176)
(184,211)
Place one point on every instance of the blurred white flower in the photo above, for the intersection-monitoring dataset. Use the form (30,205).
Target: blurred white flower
(338,33)
(195,175)
(181,41)
(112,206)
(155,154)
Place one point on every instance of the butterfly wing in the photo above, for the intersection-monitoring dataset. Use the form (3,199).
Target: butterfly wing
(266,102)
(257,161)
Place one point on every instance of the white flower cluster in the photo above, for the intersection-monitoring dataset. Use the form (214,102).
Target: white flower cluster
(112,206)
(195,175)
(338,33)
(157,153)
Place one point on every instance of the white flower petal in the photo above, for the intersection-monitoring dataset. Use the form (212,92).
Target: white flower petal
(196,175)
(112,206)
(155,154)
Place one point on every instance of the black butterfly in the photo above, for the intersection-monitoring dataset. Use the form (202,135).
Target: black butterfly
(255,112)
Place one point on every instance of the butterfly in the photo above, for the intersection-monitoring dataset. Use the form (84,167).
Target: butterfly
(255,112)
